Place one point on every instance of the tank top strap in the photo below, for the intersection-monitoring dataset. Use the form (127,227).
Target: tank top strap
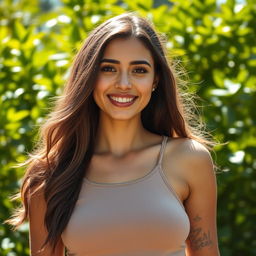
(164,141)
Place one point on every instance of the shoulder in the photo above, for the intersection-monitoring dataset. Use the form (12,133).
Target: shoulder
(35,194)
(192,158)
(189,149)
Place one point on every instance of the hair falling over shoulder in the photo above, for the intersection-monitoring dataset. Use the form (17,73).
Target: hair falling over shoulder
(67,137)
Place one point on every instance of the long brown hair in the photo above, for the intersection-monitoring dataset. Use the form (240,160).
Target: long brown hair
(67,138)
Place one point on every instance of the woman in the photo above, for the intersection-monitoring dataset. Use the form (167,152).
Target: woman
(120,171)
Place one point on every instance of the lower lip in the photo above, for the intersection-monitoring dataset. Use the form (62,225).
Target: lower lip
(122,104)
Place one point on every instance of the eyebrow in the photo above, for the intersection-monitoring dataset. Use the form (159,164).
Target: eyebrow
(135,62)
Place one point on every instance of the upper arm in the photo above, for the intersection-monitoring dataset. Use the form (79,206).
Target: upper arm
(37,229)
(201,203)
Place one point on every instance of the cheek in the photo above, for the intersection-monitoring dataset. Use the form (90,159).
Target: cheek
(146,86)
(98,92)
(99,87)
(103,83)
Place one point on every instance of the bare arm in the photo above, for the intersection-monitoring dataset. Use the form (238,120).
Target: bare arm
(201,203)
(37,229)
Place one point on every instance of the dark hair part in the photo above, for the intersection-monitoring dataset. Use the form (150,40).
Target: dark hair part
(63,154)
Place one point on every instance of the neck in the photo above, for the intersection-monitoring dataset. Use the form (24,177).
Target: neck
(120,137)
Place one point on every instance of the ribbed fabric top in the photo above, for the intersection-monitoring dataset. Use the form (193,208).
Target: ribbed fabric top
(141,217)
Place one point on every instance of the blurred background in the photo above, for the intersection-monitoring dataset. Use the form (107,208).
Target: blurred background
(215,41)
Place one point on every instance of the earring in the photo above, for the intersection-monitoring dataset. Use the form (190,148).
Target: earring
(154,86)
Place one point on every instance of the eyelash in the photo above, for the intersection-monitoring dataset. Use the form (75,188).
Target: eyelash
(108,69)
(139,70)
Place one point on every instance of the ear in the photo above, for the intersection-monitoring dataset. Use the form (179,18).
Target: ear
(156,80)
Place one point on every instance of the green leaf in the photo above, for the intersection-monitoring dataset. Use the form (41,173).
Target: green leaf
(14,116)
(19,31)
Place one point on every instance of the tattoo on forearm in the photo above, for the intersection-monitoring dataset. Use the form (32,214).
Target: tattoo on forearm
(197,218)
(199,238)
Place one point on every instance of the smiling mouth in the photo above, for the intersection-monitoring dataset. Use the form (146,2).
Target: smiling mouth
(122,101)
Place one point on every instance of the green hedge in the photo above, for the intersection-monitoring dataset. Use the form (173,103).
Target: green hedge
(215,42)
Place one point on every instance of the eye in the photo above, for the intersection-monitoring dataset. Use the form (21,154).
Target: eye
(108,69)
(140,70)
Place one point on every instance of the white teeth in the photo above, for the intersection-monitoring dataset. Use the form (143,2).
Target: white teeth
(121,99)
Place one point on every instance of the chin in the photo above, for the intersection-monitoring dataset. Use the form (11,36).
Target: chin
(123,116)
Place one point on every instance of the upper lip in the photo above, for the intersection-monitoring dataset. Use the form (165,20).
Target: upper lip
(119,95)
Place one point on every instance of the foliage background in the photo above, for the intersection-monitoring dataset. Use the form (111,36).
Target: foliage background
(214,40)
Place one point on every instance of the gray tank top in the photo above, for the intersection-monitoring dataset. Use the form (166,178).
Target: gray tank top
(142,217)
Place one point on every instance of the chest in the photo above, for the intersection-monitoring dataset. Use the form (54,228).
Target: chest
(109,170)
(133,216)
(113,170)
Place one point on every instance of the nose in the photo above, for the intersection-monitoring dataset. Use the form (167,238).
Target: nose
(123,81)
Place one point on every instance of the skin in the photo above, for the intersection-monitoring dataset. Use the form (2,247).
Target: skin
(124,78)
(126,151)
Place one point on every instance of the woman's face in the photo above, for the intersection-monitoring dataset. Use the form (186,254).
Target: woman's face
(125,79)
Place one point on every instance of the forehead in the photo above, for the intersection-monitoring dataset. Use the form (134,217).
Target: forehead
(127,49)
